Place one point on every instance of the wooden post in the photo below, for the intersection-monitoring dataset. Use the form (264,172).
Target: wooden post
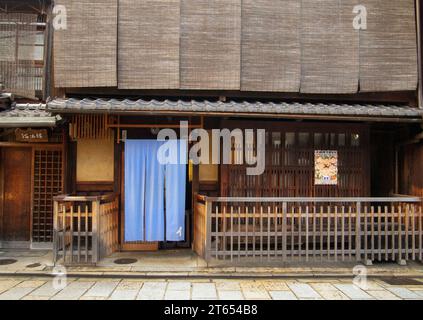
(95,229)
(358,233)
(55,230)
(208,219)
(284,213)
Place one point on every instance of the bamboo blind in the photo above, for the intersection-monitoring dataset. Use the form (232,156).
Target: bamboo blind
(210,44)
(85,54)
(388,53)
(148,44)
(270,45)
(17,45)
(329,47)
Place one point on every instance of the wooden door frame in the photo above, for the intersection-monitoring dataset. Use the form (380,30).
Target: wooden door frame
(33,147)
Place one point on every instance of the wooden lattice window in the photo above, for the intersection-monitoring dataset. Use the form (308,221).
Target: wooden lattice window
(48,182)
(289,170)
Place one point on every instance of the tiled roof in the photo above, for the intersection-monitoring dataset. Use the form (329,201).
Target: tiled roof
(30,115)
(218,107)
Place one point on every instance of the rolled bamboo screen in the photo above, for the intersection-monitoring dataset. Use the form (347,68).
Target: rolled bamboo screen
(148,43)
(270,51)
(85,54)
(210,44)
(262,45)
(388,48)
(329,47)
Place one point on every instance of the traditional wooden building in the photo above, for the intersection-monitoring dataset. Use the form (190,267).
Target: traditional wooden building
(335,90)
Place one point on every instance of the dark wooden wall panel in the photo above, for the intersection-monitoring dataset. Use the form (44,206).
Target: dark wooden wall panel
(388,49)
(148,44)
(329,47)
(210,44)
(85,54)
(270,54)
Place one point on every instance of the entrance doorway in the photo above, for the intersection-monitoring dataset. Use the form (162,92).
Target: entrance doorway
(154,202)
(16,193)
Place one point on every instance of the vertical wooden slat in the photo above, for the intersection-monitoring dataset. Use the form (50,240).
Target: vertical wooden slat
(55,230)
(343,233)
(254,232)
(329,232)
(413,231)
(314,231)
(247,227)
(372,233)
(300,235)
(217,240)
(307,233)
(64,234)
(284,221)
(335,228)
(406,217)
(239,232)
(321,233)
(86,233)
(71,234)
(232,233)
(379,232)
(224,229)
(350,232)
(268,232)
(292,231)
(386,234)
(393,231)
(365,233)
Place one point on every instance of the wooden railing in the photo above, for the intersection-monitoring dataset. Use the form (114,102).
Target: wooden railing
(303,229)
(85,228)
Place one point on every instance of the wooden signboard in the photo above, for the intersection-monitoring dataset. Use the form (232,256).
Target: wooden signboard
(31,135)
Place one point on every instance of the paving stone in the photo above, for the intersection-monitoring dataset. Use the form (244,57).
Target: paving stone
(177,295)
(383,295)
(152,291)
(204,291)
(250,294)
(404,293)
(229,285)
(353,291)
(282,295)
(74,290)
(274,285)
(102,289)
(31,284)
(124,294)
(179,285)
(230,295)
(304,291)
(30,297)
(46,290)
(15,293)
(129,285)
(419,292)
(7,284)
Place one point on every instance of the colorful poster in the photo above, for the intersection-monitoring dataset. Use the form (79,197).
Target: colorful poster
(326,167)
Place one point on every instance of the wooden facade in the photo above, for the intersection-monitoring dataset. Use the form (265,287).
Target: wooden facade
(187,49)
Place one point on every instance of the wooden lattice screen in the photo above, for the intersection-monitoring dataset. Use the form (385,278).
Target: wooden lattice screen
(90,126)
(21,54)
(48,182)
(289,170)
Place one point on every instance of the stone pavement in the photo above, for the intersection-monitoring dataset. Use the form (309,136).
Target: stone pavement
(45,288)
